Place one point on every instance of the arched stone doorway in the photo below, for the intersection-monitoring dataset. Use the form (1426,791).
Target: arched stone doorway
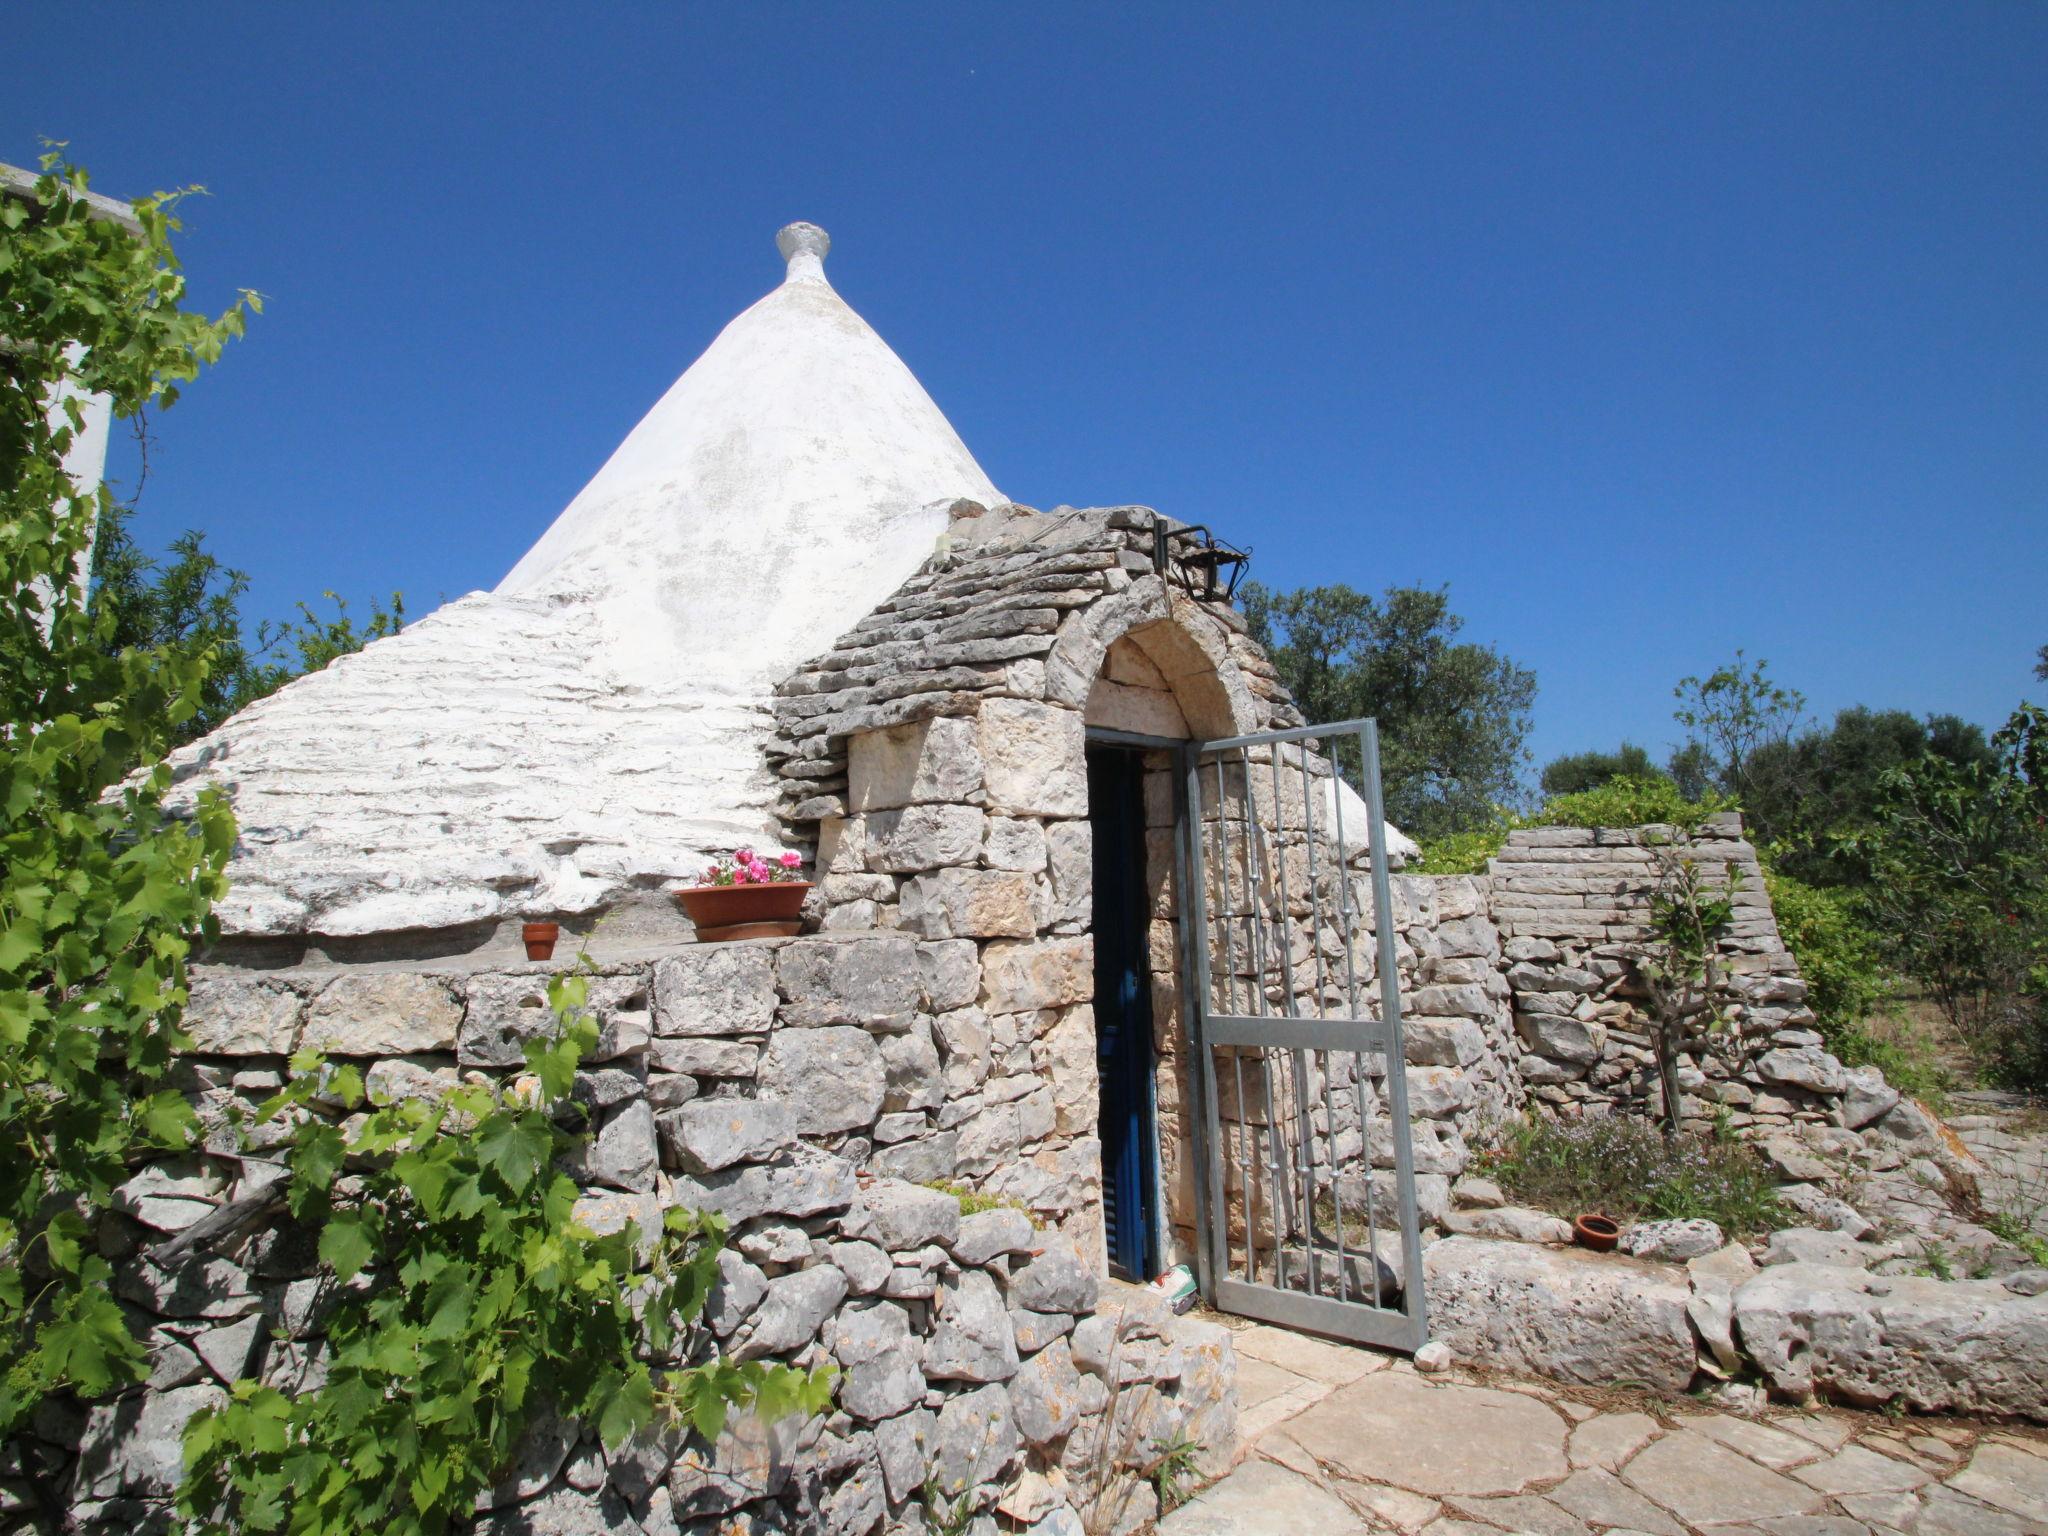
(1156,687)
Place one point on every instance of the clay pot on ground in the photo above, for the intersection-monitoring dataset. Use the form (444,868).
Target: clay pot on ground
(539,939)
(1599,1233)
(724,912)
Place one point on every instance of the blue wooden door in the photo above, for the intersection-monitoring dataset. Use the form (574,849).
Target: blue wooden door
(1123,1010)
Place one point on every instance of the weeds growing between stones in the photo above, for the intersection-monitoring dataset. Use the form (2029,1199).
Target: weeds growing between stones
(1630,1170)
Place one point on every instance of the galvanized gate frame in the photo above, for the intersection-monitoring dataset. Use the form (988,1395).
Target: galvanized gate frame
(1314,1283)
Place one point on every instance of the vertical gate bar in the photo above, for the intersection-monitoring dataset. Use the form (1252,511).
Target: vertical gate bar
(1346,920)
(1314,934)
(1187,868)
(1280,878)
(1251,886)
(1229,917)
(1344,896)
(1248,1166)
(1208,1252)
(1390,1015)
(1226,927)
(1304,1138)
(1315,940)
(1275,1197)
(1336,1186)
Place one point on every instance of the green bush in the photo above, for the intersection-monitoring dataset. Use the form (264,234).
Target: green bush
(1625,1167)
(1840,956)
(1620,802)
(1466,853)
(1628,802)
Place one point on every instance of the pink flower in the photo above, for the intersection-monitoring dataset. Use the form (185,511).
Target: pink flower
(791,860)
(743,856)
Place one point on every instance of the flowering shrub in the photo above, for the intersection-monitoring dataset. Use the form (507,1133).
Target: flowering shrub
(747,867)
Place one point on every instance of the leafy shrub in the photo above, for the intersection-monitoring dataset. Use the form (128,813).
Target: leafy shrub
(102,895)
(1620,802)
(466,1297)
(1629,802)
(1466,853)
(1626,1168)
(1841,957)
(1956,866)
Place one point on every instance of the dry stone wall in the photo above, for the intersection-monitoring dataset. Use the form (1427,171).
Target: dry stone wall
(1573,907)
(797,1087)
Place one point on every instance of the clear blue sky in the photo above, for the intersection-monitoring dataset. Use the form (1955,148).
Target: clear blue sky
(1653,330)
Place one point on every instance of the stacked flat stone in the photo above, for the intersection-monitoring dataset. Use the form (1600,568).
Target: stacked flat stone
(983,619)
(1573,904)
(795,1087)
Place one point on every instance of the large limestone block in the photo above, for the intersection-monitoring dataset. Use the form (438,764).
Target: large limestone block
(834,1077)
(881,1360)
(135,1445)
(1441,1042)
(971,904)
(715,989)
(919,837)
(1963,1346)
(1560,1313)
(1023,977)
(904,1217)
(791,1313)
(242,1016)
(504,1012)
(974,1440)
(1034,758)
(392,1013)
(749,1460)
(874,982)
(804,1183)
(952,973)
(568,1511)
(1806,1067)
(1563,1039)
(931,761)
(711,1134)
(972,1339)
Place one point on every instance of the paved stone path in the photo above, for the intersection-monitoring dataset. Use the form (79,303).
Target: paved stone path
(1346,1442)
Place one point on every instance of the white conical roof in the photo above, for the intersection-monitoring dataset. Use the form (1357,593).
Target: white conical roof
(748,518)
(596,724)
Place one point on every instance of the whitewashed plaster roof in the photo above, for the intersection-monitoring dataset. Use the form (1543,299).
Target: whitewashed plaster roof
(596,723)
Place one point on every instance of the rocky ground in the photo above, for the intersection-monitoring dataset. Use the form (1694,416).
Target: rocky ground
(1344,1442)
(2008,1133)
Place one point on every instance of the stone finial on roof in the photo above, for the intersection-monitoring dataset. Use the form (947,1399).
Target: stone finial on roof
(803,246)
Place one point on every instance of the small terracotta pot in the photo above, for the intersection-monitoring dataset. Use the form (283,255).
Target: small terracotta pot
(1599,1233)
(540,939)
(723,912)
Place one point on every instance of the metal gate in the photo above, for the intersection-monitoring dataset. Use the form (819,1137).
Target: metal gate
(1306,1179)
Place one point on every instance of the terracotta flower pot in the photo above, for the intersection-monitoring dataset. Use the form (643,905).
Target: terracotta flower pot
(723,912)
(1599,1233)
(540,939)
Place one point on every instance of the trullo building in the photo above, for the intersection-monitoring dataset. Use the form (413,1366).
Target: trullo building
(1104,970)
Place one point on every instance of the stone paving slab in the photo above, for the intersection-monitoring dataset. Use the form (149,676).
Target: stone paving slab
(1263,1496)
(1353,1441)
(1394,1427)
(2006,1476)
(1702,1481)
